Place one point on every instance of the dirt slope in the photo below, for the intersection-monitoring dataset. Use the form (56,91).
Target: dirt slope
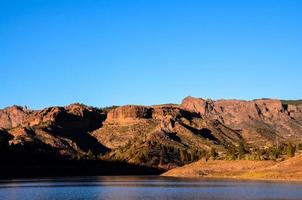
(290,169)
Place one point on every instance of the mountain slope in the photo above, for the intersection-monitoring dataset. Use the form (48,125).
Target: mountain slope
(160,137)
(290,169)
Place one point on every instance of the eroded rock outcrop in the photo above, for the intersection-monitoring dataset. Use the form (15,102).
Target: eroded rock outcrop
(63,128)
(267,117)
(13,116)
(130,112)
(74,116)
(295,111)
(236,111)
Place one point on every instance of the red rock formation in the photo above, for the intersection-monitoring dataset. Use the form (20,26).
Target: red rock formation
(235,111)
(264,116)
(129,112)
(11,117)
(74,116)
(64,128)
(295,111)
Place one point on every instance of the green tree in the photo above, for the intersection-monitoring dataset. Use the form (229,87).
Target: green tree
(241,150)
(3,142)
(207,156)
(231,153)
(183,156)
(300,146)
(201,153)
(261,154)
(4,148)
(213,153)
(291,150)
(90,155)
(275,153)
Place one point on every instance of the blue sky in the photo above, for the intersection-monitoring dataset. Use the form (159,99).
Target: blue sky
(148,52)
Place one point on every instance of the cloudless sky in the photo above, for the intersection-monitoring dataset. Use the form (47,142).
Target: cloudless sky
(115,52)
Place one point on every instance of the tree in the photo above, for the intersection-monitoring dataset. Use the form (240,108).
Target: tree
(300,146)
(213,153)
(291,150)
(241,150)
(90,155)
(183,156)
(275,153)
(231,153)
(207,156)
(4,147)
(201,153)
(3,142)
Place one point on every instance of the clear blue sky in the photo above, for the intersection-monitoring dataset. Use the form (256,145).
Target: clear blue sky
(109,52)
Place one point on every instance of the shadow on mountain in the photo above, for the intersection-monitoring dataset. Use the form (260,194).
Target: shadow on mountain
(40,160)
(82,138)
(204,132)
(77,129)
(173,136)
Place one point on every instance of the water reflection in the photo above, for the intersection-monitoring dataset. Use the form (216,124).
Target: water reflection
(147,187)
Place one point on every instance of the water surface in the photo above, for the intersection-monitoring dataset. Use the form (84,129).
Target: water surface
(146,187)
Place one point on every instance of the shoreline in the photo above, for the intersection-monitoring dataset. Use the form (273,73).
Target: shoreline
(195,178)
(229,178)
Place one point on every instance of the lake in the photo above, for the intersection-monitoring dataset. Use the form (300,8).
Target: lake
(145,187)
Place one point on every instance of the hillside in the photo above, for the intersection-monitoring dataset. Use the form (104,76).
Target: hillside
(290,169)
(158,137)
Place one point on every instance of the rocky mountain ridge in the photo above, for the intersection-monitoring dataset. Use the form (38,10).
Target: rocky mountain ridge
(163,136)
(270,118)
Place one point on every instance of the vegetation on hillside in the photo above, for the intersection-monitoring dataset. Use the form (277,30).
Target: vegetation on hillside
(292,102)
(242,152)
(108,108)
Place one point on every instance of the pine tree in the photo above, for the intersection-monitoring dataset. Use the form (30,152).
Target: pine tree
(90,155)
(182,156)
(291,150)
(241,150)
(231,153)
(213,153)
(275,153)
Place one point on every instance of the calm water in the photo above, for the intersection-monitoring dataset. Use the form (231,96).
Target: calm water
(139,188)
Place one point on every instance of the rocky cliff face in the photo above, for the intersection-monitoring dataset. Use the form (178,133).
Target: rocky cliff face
(268,118)
(236,112)
(130,112)
(295,111)
(11,117)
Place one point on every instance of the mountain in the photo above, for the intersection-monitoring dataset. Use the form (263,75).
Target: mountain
(149,138)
